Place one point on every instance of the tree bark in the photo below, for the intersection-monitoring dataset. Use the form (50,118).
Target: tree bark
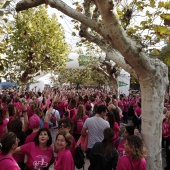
(153,89)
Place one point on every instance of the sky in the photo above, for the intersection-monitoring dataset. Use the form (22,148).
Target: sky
(67,24)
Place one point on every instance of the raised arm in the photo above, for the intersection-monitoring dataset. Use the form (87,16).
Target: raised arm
(25,126)
(47,116)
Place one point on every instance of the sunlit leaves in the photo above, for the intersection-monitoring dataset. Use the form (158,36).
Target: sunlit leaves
(35,42)
(156,51)
(161,30)
(164,4)
(152,3)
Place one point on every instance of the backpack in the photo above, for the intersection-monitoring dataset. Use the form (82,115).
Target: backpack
(79,158)
(53,119)
(79,126)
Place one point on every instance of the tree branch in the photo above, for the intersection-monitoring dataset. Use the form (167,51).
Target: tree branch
(128,48)
(110,52)
(64,8)
(101,71)
(26,4)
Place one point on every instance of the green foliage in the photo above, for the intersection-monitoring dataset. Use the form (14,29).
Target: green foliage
(165,54)
(142,23)
(35,42)
(83,76)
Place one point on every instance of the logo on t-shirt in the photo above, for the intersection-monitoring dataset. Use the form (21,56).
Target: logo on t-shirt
(40,162)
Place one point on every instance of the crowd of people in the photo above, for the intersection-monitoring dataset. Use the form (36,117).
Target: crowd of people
(38,129)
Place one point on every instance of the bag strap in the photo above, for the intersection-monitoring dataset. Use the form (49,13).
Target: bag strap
(5,158)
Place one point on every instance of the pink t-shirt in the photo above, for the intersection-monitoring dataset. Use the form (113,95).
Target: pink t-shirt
(30,112)
(120,149)
(18,105)
(116,129)
(31,137)
(2,127)
(7,162)
(125,104)
(61,107)
(138,111)
(166,129)
(125,164)
(48,103)
(37,158)
(64,161)
(73,112)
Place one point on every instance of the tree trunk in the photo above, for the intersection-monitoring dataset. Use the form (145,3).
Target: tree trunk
(153,90)
(115,85)
(21,89)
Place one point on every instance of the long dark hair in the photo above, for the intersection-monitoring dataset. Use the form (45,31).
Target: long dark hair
(113,116)
(107,142)
(36,139)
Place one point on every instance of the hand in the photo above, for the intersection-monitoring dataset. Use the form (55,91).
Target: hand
(24,106)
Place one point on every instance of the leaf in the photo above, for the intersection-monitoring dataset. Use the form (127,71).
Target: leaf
(76,27)
(156,51)
(167,60)
(73,34)
(152,3)
(161,30)
(1,13)
(165,16)
(6,4)
(79,9)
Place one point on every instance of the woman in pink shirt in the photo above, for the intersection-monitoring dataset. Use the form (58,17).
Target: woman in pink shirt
(79,120)
(137,116)
(64,159)
(72,107)
(135,155)
(8,144)
(112,121)
(66,124)
(39,152)
(166,137)
(4,119)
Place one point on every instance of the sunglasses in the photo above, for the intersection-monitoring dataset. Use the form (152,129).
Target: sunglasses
(63,126)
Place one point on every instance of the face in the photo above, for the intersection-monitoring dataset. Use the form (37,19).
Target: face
(43,137)
(15,145)
(125,134)
(64,127)
(127,147)
(60,143)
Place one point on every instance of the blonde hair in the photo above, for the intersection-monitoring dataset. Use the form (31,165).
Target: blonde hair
(168,117)
(80,112)
(111,107)
(67,138)
(138,150)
